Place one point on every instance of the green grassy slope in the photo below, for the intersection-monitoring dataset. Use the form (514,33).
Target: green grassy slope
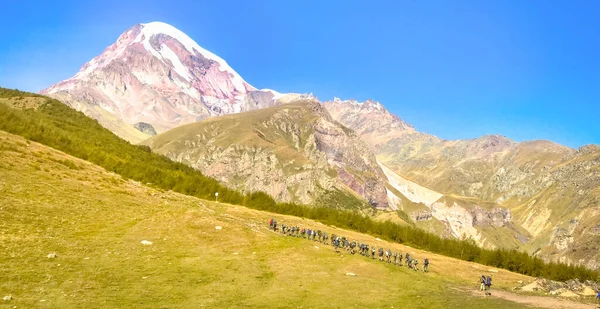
(95,220)
(58,126)
(62,128)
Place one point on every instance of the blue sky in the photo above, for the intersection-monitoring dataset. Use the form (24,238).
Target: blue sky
(456,69)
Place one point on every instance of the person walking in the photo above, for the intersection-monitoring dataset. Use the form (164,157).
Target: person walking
(488,285)
(482,283)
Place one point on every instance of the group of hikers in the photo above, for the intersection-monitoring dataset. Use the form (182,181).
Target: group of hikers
(369,251)
(485,284)
(351,246)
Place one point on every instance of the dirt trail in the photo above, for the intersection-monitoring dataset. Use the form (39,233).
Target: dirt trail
(539,301)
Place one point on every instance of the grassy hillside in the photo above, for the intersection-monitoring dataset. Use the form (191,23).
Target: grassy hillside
(292,152)
(62,128)
(95,221)
(58,126)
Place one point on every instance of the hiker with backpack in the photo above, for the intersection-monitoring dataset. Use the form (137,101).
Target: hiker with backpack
(482,283)
(416,265)
(488,285)
(426,265)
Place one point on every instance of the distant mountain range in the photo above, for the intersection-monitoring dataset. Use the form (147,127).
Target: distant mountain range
(538,196)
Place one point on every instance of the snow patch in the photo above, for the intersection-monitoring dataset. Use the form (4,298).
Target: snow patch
(170,55)
(154,28)
(414,192)
(89,68)
(393,200)
(276,95)
(187,89)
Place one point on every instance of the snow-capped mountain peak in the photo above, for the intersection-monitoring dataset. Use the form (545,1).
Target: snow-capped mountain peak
(156,74)
(149,30)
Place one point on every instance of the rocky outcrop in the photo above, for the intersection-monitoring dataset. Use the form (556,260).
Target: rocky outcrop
(369,119)
(498,216)
(587,288)
(145,128)
(421,215)
(294,152)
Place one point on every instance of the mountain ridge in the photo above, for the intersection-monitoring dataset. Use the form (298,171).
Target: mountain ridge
(550,189)
(294,152)
(156,74)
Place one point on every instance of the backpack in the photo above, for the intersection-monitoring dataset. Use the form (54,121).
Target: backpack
(488,281)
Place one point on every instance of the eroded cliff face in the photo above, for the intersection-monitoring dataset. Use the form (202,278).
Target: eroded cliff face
(295,152)
(546,195)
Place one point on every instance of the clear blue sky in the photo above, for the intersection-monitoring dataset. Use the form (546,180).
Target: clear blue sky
(456,69)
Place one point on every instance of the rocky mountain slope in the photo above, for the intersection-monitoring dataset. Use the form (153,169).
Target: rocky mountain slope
(294,152)
(548,192)
(156,74)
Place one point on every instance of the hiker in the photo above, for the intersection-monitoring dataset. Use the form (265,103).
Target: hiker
(380,254)
(488,285)
(416,265)
(408,261)
(373,252)
(482,283)
(275,226)
(271,223)
(395,257)
(399,258)
(426,265)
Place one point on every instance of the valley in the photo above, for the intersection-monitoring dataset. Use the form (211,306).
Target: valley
(52,204)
